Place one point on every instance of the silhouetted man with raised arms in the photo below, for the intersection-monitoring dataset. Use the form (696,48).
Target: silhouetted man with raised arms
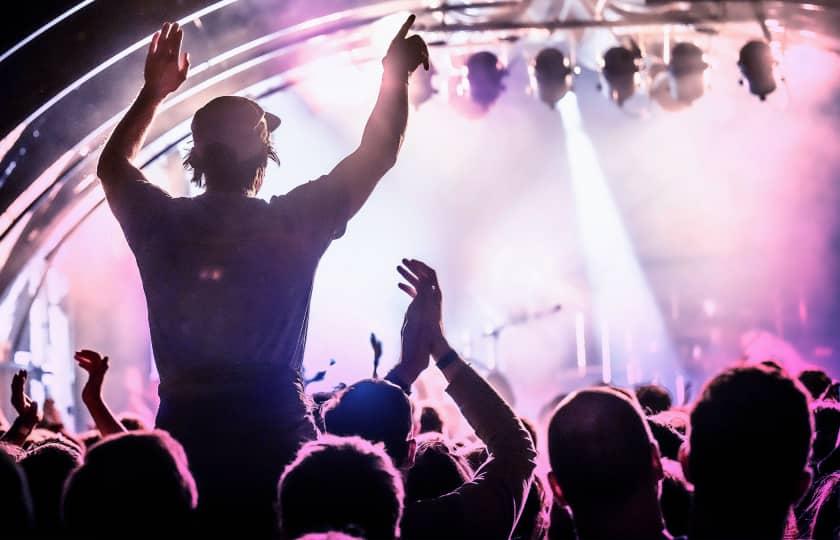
(228,277)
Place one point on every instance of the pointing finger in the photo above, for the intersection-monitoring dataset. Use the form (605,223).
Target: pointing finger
(406,27)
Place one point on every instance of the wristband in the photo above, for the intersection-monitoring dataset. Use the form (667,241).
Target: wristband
(447,359)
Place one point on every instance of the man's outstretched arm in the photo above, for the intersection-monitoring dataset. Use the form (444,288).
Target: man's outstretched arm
(377,153)
(166,69)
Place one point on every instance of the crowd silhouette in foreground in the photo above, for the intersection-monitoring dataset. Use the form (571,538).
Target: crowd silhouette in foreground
(754,457)
(240,451)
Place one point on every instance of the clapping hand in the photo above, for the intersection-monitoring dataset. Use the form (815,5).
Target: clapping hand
(424,315)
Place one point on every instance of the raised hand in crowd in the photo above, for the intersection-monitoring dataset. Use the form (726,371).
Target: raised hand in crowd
(96,366)
(27,410)
(406,54)
(422,328)
(166,66)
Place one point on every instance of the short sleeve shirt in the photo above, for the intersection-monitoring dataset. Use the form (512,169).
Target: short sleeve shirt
(228,278)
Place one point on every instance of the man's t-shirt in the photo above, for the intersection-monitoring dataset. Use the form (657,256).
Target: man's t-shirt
(228,278)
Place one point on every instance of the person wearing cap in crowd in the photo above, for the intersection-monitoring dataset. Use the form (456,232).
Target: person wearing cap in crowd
(228,277)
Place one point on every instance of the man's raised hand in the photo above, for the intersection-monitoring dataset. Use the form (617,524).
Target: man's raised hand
(405,54)
(166,67)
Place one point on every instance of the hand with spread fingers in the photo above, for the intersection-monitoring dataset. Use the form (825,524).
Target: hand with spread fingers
(405,54)
(166,67)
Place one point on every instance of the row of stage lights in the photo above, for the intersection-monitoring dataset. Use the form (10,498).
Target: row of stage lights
(677,84)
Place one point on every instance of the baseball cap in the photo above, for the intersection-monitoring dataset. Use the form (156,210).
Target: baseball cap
(236,122)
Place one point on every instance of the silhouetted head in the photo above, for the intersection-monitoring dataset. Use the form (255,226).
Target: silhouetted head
(602,453)
(653,398)
(128,475)
(344,484)
(430,420)
(232,145)
(816,381)
(15,503)
(437,470)
(749,442)
(375,410)
(47,467)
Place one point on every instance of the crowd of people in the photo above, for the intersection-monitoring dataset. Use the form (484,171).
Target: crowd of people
(755,456)
(240,450)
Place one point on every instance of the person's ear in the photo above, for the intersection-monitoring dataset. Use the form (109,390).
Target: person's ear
(684,456)
(559,499)
(411,455)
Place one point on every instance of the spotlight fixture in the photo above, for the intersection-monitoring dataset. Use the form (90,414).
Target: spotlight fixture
(756,63)
(553,75)
(687,70)
(682,82)
(485,74)
(619,74)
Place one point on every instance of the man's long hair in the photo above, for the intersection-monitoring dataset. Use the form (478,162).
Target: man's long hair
(219,170)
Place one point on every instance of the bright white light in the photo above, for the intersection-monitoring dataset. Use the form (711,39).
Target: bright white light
(620,289)
(580,341)
(606,353)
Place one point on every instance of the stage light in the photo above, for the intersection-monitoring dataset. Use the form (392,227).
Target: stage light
(485,74)
(552,74)
(687,69)
(682,81)
(619,74)
(756,63)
